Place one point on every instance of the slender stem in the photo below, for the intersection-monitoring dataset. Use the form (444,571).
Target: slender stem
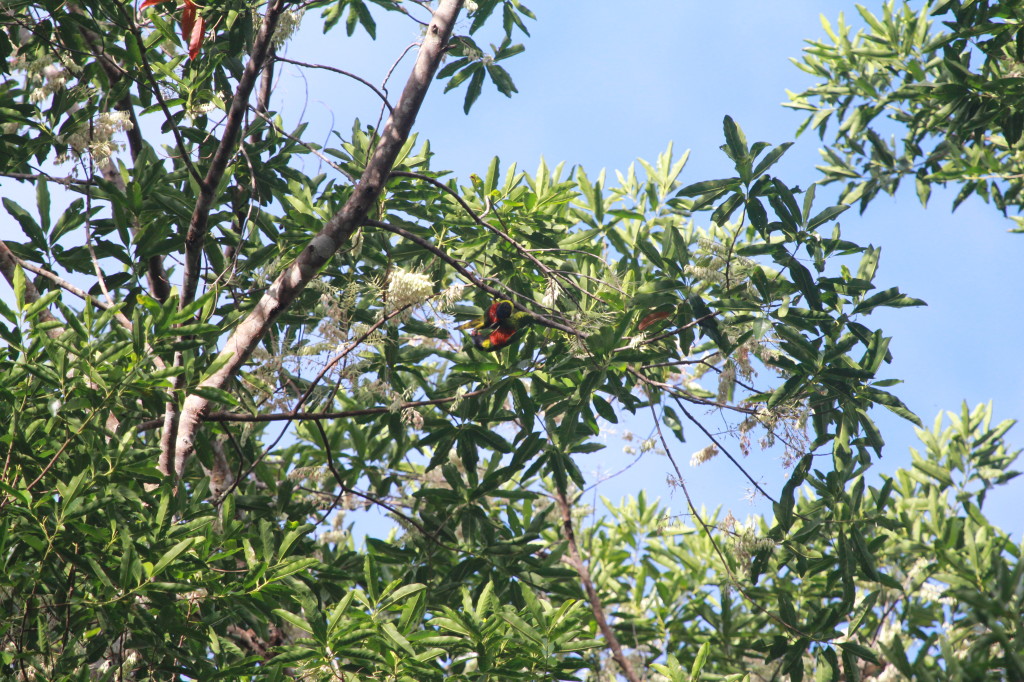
(476,281)
(365,82)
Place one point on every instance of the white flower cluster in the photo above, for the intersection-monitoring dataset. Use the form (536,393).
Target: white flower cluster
(408,288)
(635,341)
(460,392)
(450,296)
(313,473)
(203,108)
(413,418)
(703,455)
(930,591)
(47,76)
(54,78)
(98,138)
(287,24)
(551,292)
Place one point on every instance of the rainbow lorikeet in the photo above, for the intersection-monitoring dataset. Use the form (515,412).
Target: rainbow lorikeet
(503,324)
(499,311)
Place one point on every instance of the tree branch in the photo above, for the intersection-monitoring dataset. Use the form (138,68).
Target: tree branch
(476,281)
(523,251)
(199,224)
(576,561)
(335,233)
(365,82)
(68,181)
(8,261)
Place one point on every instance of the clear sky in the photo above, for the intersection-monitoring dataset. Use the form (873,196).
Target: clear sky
(602,83)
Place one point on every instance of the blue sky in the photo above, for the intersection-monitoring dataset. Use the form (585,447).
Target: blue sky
(603,83)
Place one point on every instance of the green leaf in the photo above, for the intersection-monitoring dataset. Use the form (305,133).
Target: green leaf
(295,619)
(735,140)
(395,636)
(28,224)
(805,282)
(476,85)
(43,202)
(863,554)
(218,395)
(771,158)
(859,650)
(19,285)
(501,80)
(699,661)
(758,215)
(216,365)
(707,186)
(935,471)
(170,556)
(604,409)
(825,216)
(890,298)
(892,403)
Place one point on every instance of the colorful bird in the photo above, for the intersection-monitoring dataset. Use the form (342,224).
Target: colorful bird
(499,311)
(503,329)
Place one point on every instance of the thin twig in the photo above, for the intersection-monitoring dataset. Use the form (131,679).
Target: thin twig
(315,416)
(100,277)
(522,250)
(726,452)
(68,181)
(476,281)
(352,346)
(351,75)
(310,148)
(714,543)
(689,397)
(387,77)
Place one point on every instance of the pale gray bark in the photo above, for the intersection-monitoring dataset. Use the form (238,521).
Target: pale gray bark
(334,234)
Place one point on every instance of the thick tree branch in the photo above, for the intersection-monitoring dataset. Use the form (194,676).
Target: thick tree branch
(335,233)
(8,262)
(199,224)
(576,561)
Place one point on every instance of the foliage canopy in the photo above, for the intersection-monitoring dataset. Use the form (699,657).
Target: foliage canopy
(182,303)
